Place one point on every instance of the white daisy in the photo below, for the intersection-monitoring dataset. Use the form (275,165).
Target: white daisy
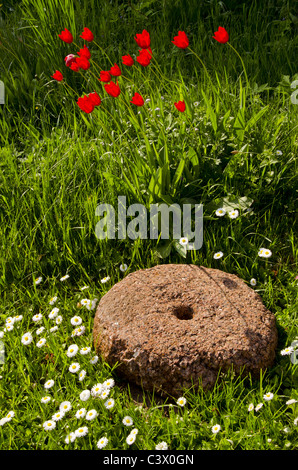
(183,241)
(85,302)
(291,402)
(102,443)
(9,321)
(72,350)
(36,318)
(59,320)
(76,320)
(81,413)
(81,432)
(18,318)
(57,416)
(278,152)
(161,446)
(49,384)
(253,282)
(74,367)
(65,406)
(264,253)
(53,300)
(130,439)
(41,342)
(181,401)
(109,404)
(53,329)
(216,428)
(105,279)
(3,421)
(218,255)
(268,396)
(85,350)
(123,267)
(96,390)
(134,431)
(287,351)
(53,313)
(251,407)
(85,395)
(8,327)
(127,421)
(220,212)
(45,399)
(92,414)
(49,425)
(71,437)
(258,407)
(233,214)
(295,422)
(92,304)
(63,278)
(40,330)
(109,383)
(38,280)
(94,360)
(82,375)
(84,287)
(10,415)
(105,393)
(78,331)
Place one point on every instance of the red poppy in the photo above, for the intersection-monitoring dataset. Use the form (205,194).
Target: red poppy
(221,35)
(84,52)
(180,106)
(86,104)
(66,36)
(95,98)
(115,71)
(181,40)
(83,63)
(127,60)
(137,100)
(105,77)
(74,66)
(113,89)
(69,59)
(87,35)
(58,76)
(144,58)
(143,40)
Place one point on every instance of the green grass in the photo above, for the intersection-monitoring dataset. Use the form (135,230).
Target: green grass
(57,164)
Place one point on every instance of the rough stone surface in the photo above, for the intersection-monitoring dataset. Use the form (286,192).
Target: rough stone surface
(177,325)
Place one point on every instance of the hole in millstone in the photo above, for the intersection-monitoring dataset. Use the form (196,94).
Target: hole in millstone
(183,312)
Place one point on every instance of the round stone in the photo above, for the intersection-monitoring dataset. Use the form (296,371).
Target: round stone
(176,326)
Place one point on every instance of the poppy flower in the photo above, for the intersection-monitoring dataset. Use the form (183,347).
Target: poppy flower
(180,106)
(69,59)
(144,58)
(137,100)
(113,89)
(115,71)
(86,104)
(87,35)
(83,63)
(105,77)
(95,98)
(74,66)
(58,76)
(221,35)
(143,40)
(84,52)
(127,60)
(66,36)
(181,40)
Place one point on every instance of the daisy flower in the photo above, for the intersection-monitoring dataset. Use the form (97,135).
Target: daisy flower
(92,305)
(105,279)
(105,393)
(38,280)
(45,399)
(291,402)
(268,396)
(84,287)
(96,390)
(250,407)
(40,330)
(49,384)
(81,413)
(264,253)
(85,395)
(123,267)
(259,406)
(216,428)
(9,321)
(18,318)
(53,313)
(63,278)
(81,432)
(295,422)
(37,317)
(10,415)
(220,212)
(134,431)
(94,360)
(102,443)
(72,350)
(253,282)
(3,421)
(85,302)
(74,367)
(71,437)
(233,214)
(82,375)
(65,406)
(161,446)
(109,383)
(53,329)
(76,321)
(130,439)
(127,421)
(92,414)
(41,342)
(57,416)
(49,425)
(183,241)
(53,300)
(85,350)
(218,255)
(287,351)
(109,404)
(278,152)
(59,320)
(9,327)
(181,401)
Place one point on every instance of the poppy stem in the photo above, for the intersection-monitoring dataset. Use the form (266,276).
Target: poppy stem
(244,69)
(75,92)
(103,52)
(202,64)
